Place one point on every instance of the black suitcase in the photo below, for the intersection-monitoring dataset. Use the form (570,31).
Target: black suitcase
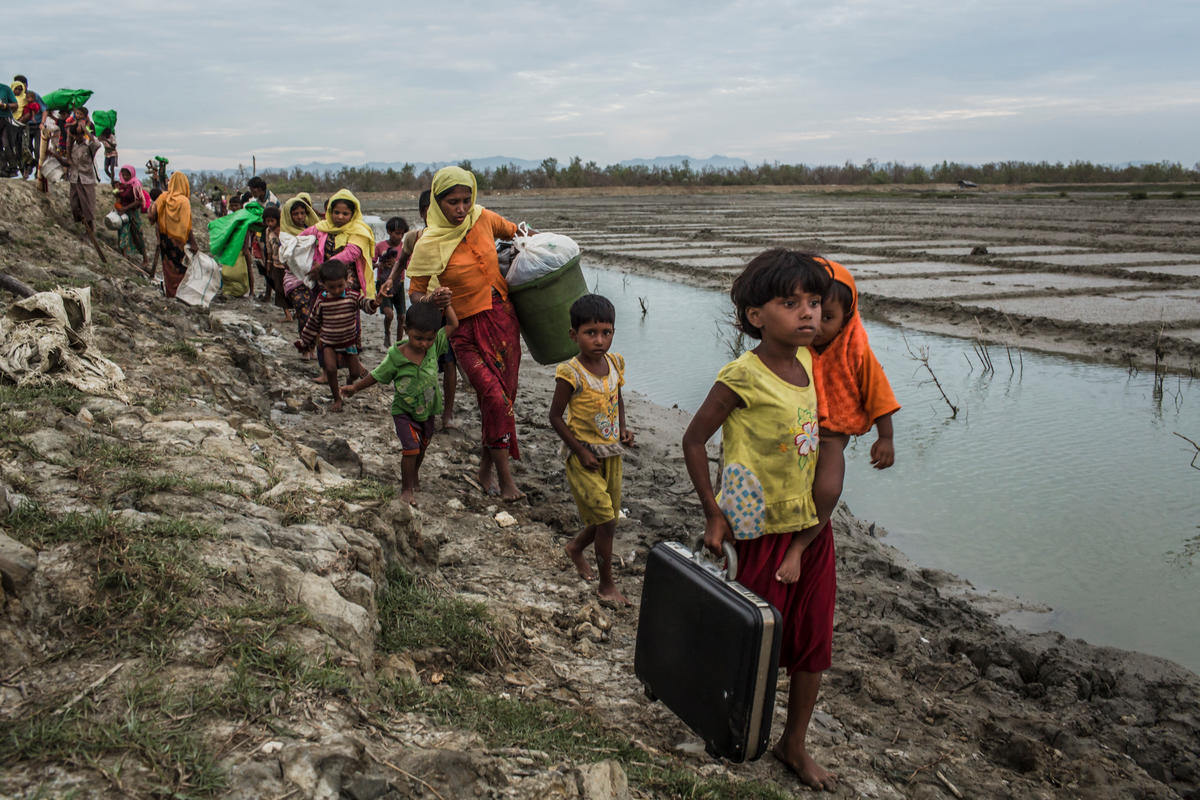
(708,647)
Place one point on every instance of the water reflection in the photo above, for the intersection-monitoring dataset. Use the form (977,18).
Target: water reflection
(1059,481)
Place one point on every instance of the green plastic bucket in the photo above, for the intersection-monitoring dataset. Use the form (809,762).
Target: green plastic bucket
(543,307)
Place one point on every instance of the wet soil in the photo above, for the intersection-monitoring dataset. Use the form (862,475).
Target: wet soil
(1113,305)
(928,697)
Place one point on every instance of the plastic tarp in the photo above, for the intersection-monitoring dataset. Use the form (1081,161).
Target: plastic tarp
(201,281)
(66,99)
(227,234)
(104,121)
(47,338)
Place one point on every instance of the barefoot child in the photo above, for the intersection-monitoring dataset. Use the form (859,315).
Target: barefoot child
(852,395)
(387,263)
(588,387)
(766,407)
(335,323)
(411,366)
(447,364)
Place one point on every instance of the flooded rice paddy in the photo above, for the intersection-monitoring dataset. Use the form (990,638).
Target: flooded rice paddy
(1059,482)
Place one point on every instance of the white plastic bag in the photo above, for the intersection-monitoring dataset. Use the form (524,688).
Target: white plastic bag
(201,281)
(297,253)
(52,170)
(539,254)
(114,221)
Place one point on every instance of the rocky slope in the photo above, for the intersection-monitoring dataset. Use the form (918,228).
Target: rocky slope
(210,590)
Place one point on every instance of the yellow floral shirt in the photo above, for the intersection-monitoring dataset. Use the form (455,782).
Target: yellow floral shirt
(593,413)
(770,449)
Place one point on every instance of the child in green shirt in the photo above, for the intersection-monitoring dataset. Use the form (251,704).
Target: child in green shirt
(411,366)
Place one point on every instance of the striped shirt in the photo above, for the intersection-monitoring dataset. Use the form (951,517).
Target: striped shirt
(335,320)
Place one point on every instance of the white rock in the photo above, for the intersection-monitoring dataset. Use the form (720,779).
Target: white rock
(604,780)
(454,504)
(505,519)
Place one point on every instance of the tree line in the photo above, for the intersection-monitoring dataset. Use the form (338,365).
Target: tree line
(578,173)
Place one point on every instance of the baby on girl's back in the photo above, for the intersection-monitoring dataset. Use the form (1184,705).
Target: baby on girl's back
(853,394)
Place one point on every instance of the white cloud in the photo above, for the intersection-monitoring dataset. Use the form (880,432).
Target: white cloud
(611,79)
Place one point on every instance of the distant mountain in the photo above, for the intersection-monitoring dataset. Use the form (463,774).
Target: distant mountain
(495,162)
(698,164)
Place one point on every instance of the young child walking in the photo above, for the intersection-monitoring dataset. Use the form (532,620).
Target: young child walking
(335,323)
(594,434)
(109,140)
(853,394)
(447,364)
(765,404)
(388,261)
(411,367)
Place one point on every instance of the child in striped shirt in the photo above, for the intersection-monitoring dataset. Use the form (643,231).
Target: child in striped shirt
(334,323)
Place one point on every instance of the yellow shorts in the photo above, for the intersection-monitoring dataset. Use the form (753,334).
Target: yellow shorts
(597,493)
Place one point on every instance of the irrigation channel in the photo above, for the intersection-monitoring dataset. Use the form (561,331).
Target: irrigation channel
(1059,482)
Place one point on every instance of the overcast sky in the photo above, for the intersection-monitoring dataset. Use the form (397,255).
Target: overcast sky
(208,84)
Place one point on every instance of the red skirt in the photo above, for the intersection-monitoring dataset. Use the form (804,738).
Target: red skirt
(805,606)
(487,346)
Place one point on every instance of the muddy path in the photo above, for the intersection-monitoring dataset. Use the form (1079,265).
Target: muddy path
(263,658)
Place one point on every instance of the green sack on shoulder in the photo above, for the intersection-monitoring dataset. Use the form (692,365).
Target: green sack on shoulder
(105,122)
(66,99)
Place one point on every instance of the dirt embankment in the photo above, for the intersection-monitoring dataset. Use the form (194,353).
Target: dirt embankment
(216,593)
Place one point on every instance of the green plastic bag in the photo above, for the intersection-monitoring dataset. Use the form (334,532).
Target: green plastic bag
(105,121)
(227,234)
(66,99)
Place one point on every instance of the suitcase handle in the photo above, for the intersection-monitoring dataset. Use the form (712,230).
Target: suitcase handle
(731,563)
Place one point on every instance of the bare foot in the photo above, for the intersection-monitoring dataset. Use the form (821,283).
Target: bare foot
(575,553)
(487,479)
(512,495)
(321,379)
(336,406)
(448,424)
(810,773)
(407,496)
(789,568)
(609,592)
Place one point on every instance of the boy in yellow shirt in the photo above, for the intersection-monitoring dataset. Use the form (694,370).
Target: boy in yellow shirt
(588,388)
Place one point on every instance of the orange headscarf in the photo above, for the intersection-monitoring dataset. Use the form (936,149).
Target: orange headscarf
(174,208)
(852,391)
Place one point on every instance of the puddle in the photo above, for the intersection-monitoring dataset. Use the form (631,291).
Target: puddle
(711,261)
(899,244)
(1063,485)
(911,268)
(1188,270)
(999,282)
(1117,309)
(1102,259)
(852,258)
(1003,249)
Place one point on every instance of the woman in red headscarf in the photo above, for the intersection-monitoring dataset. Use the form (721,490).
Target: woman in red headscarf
(132,201)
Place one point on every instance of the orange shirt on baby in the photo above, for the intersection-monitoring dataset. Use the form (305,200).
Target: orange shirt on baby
(852,390)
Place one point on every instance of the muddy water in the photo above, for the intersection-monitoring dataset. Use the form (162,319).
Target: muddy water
(1061,484)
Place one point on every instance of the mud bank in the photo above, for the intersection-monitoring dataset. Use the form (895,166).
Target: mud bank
(213,581)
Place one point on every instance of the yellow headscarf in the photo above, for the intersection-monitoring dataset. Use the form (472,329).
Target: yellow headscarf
(354,232)
(285,215)
(437,243)
(22,98)
(174,208)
